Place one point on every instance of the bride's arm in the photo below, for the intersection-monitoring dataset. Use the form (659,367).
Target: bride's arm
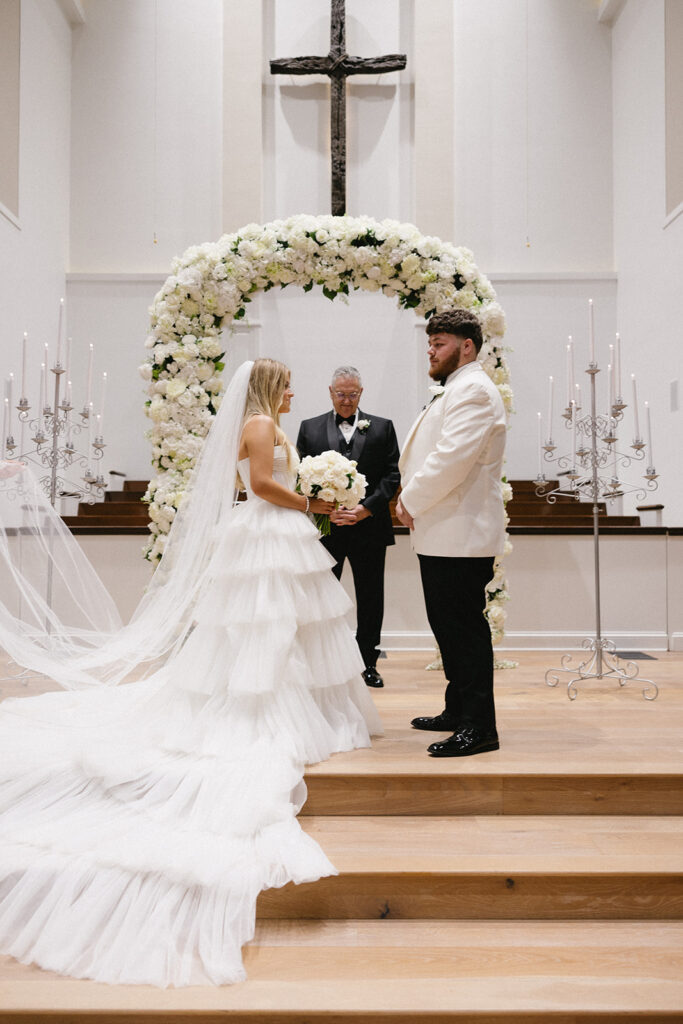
(258,441)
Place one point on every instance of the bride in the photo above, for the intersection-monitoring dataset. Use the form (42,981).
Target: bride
(139,822)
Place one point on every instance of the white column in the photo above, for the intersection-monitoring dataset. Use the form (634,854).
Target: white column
(242,84)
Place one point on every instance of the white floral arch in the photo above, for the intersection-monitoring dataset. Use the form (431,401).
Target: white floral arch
(211,285)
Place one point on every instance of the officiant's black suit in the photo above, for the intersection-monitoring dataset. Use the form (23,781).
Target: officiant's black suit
(365,543)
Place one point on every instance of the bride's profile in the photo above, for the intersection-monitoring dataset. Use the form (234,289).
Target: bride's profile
(139,822)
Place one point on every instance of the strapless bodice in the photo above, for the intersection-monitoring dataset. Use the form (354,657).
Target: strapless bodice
(283,472)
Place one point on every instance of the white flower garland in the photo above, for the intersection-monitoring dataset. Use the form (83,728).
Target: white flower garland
(210,286)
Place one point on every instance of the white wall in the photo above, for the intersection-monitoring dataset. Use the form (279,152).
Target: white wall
(649,252)
(33,253)
(542,166)
(145,147)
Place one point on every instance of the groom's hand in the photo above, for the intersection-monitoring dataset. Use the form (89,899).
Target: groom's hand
(404,516)
(350,516)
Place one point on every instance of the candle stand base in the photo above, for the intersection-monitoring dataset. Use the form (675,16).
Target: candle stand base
(600,663)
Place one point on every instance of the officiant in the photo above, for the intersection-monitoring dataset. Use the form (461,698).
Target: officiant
(361,534)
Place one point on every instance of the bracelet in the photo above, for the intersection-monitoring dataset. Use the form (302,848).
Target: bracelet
(308,504)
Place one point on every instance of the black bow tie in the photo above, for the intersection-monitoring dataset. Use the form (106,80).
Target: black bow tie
(345,419)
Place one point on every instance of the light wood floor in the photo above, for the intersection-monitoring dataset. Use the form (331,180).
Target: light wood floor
(539,882)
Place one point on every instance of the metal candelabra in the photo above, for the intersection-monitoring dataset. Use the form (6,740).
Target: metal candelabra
(52,434)
(591,471)
(52,425)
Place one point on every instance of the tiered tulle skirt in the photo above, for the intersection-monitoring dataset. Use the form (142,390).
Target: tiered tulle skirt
(138,824)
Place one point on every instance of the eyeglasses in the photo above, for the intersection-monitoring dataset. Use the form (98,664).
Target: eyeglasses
(351,395)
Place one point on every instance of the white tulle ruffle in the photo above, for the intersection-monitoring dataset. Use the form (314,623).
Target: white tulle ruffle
(138,824)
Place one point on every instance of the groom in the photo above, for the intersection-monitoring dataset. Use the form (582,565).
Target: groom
(451,465)
(363,533)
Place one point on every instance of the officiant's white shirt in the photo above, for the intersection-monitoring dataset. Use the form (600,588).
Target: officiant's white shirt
(451,467)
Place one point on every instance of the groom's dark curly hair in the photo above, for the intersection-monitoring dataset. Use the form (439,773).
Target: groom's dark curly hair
(461,322)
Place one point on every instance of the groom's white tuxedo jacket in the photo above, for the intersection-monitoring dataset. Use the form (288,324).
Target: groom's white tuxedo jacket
(451,468)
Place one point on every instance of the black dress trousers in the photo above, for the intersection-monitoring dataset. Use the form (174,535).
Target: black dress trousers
(367,565)
(455,596)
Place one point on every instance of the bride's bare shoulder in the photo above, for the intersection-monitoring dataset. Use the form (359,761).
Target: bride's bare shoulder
(258,432)
(259,425)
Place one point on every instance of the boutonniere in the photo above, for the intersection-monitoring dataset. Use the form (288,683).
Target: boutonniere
(437,390)
(363,425)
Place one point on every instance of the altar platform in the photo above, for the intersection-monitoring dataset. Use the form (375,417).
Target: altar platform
(541,882)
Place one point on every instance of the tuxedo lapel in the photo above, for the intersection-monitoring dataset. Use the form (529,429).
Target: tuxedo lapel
(334,436)
(358,440)
(413,430)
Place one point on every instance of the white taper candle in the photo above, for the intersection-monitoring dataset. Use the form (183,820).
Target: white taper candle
(610,391)
(90,419)
(573,433)
(540,445)
(23,365)
(5,406)
(635,408)
(67,361)
(100,418)
(650,458)
(88,393)
(577,397)
(10,391)
(617,365)
(60,329)
(551,385)
(591,334)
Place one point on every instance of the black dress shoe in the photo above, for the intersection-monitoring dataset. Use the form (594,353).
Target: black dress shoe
(372,677)
(467,740)
(440,723)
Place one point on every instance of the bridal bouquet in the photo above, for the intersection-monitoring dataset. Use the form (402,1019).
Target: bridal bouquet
(330,477)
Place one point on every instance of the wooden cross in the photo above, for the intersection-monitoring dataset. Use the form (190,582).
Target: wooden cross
(337,65)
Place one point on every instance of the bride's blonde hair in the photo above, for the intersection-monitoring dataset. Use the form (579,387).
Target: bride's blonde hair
(268,382)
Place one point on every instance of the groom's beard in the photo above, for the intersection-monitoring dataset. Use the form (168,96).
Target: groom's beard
(445,369)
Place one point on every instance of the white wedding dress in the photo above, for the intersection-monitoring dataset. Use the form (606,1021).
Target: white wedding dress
(138,823)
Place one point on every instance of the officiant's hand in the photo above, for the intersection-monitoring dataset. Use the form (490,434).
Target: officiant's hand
(404,516)
(350,516)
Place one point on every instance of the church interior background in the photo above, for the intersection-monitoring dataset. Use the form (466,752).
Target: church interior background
(544,135)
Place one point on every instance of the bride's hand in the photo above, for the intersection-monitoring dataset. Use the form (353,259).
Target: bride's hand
(321,507)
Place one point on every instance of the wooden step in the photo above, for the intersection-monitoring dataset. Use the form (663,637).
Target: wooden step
(136,485)
(123,496)
(517,867)
(104,522)
(113,509)
(397,972)
(571,521)
(530,486)
(580,509)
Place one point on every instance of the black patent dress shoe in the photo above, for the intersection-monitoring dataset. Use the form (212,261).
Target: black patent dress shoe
(439,723)
(372,677)
(465,741)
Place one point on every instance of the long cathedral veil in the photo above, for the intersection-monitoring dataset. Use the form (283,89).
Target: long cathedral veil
(56,617)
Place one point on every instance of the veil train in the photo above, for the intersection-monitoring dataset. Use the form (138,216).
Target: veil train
(139,822)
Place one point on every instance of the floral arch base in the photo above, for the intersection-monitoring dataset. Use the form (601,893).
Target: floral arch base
(211,285)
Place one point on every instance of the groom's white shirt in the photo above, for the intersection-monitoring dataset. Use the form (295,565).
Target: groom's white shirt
(451,467)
